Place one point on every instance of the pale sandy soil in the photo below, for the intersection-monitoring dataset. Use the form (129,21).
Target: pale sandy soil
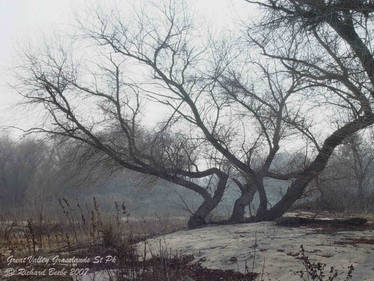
(267,247)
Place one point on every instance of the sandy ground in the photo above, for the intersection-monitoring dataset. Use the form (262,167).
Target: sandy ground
(266,247)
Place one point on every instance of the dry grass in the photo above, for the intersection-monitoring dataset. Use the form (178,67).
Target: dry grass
(87,231)
(78,226)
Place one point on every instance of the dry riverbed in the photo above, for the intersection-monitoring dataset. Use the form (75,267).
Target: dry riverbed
(273,250)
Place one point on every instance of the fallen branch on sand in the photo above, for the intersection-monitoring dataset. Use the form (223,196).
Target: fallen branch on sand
(298,221)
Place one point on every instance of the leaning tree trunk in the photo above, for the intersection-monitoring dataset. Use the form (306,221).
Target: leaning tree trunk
(262,209)
(245,199)
(302,180)
(198,218)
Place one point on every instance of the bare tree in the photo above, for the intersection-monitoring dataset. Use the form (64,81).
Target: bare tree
(327,43)
(114,131)
(231,106)
(215,92)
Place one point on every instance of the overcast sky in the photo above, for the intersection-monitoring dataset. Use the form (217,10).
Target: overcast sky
(20,21)
(25,20)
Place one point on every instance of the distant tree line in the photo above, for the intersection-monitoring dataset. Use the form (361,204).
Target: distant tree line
(35,174)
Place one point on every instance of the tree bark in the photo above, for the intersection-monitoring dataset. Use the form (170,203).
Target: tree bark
(244,200)
(198,219)
(298,186)
(262,209)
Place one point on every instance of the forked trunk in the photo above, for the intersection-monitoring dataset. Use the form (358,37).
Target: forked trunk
(241,203)
(198,219)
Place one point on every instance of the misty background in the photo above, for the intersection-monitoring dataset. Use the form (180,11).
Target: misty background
(35,173)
